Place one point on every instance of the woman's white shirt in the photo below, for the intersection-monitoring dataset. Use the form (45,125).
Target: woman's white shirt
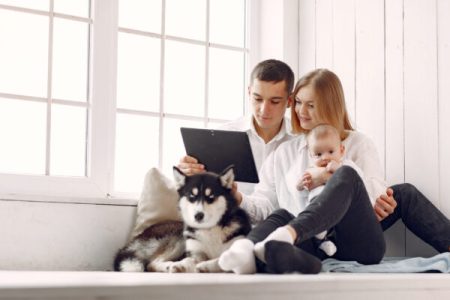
(285,166)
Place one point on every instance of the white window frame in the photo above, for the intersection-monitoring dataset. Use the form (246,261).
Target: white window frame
(96,187)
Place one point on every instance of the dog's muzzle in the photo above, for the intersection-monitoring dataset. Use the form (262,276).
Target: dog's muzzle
(199,216)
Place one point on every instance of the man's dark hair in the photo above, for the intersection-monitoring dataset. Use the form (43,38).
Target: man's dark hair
(273,70)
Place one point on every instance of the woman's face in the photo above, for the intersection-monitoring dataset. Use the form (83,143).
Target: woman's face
(305,108)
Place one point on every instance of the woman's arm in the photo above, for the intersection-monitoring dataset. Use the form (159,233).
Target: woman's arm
(362,151)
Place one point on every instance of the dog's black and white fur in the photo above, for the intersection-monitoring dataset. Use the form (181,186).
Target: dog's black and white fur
(212,222)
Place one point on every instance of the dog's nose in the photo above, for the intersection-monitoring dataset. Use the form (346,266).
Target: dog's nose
(199,216)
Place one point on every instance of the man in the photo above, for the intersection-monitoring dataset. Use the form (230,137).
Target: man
(271,84)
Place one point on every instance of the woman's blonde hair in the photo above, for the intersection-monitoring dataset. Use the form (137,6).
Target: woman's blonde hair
(330,101)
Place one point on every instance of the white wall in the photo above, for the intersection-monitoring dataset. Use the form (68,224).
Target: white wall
(394,61)
(62,236)
(278,32)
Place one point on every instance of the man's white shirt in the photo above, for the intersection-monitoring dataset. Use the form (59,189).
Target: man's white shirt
(260,149)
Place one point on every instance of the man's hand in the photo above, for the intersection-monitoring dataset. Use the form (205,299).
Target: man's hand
(236,194)
(385,205)
(189,165)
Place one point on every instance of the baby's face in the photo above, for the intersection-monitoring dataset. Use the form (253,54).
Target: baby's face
(325,150)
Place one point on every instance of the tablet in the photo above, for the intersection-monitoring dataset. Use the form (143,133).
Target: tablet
(218,149)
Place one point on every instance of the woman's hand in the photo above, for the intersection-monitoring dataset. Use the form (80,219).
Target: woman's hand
(385,205)
(189,165)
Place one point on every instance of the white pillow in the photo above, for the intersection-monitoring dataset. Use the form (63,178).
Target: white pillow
(158,202)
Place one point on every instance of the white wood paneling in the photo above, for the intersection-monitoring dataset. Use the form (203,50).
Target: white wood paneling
(370,101)
(324,34)
(395,167)
(421,122)
(443,10)
(344,49)
(393,58)
(307,37)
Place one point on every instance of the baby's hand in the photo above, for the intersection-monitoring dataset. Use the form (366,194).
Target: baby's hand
(333,166)
(305,182)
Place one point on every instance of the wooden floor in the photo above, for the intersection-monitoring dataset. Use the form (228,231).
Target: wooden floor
(326,286)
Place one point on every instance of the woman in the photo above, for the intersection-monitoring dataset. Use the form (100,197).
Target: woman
(346,204)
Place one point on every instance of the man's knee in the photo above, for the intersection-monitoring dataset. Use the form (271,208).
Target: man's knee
(283,213)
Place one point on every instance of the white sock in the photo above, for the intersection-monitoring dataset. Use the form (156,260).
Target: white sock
(239,258)
(328,247)
(280,234)
(321,235)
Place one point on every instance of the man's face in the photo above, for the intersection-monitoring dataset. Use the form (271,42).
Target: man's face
(269,101)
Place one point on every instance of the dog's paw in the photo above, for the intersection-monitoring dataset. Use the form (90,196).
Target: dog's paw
(177,268)
(181,267)
(209,266)
(160,266)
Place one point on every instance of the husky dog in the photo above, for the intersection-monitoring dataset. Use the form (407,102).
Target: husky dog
(212,221)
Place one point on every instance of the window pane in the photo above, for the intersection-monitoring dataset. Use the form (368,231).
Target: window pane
(184,79)
(226,84)
(34,4)
(70,60)
(68,140)
(222,29)
(138,72)
(140,14)
(23,53)
(137,145)
(186,18)
(22,132)
(78,8)
(173,147)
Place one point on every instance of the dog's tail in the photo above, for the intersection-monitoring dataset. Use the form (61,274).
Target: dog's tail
(159,242)
(127,261)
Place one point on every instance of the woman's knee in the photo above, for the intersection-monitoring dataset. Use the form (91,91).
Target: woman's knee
(405,194)
(348,173)
(404,189)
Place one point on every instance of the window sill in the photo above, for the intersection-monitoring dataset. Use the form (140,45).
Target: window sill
(115,201)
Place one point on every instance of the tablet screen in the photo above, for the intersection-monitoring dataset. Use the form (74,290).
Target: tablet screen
(218,149)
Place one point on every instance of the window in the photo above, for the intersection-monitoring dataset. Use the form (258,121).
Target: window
(91,98)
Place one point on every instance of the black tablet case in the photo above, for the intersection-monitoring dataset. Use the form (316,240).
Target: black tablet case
(217,149)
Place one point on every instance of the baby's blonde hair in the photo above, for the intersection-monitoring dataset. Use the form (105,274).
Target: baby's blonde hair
(322,131)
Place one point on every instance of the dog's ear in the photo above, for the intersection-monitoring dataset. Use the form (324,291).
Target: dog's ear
(227,177)
(179,176)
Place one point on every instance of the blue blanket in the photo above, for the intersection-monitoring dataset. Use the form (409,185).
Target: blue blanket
(439,263)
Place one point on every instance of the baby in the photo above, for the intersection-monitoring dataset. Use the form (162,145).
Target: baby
(326,150)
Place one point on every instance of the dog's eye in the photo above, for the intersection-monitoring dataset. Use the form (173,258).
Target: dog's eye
(192,196)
